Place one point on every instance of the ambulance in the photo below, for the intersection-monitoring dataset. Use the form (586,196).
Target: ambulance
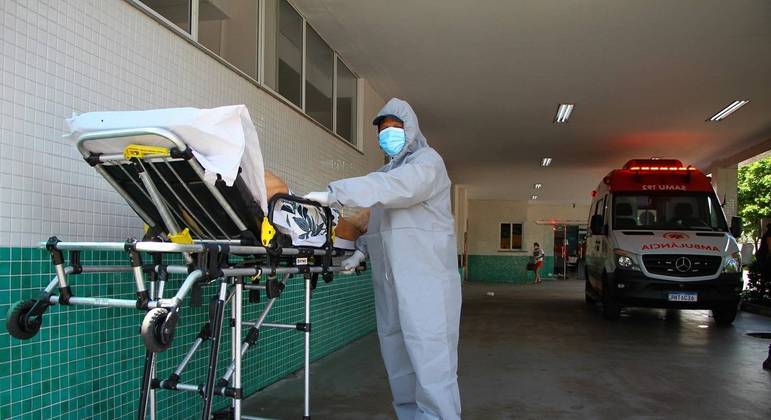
(658,238)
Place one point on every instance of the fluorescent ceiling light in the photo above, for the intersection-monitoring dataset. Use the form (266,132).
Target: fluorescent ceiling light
(563,113)
(537,185)
(546,161)
(534,197)
(730,109)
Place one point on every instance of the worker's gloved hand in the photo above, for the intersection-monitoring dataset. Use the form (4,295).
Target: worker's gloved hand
(321,197)
(349,264)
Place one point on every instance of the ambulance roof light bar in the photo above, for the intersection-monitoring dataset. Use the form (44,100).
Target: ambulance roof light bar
(661,168)
(657,165)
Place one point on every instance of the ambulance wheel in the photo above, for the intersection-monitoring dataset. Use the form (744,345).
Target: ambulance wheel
(18,324)
(156,335)
(611,310)
(724,316)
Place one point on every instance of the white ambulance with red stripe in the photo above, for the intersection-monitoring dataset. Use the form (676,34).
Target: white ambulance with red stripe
(658,238)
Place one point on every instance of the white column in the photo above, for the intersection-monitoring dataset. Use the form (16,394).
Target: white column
(725,179)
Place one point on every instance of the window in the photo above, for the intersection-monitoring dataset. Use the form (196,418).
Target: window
(602,209)
(346,103)
(319,78)
(668,211)
(229,29)
(284,50)
(175,11)
(510,236)
(271,42)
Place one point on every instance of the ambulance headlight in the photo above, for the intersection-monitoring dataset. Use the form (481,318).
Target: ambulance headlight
(733,263)
(626,260)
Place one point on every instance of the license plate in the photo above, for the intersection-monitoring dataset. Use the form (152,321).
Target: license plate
(682,296)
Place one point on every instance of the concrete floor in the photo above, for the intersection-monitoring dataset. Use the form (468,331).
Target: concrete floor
(538,352)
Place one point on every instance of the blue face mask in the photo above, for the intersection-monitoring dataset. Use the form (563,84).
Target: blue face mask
(392,140)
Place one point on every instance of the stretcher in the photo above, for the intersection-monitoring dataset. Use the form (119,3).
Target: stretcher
(219,234)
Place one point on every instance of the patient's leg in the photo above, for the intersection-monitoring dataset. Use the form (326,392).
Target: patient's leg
(274,185)
(347,228)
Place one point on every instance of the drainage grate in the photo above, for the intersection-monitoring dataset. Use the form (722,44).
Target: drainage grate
(766,335)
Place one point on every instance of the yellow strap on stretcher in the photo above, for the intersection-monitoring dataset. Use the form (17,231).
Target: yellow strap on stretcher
(182,237)
(139,151)
(267,232)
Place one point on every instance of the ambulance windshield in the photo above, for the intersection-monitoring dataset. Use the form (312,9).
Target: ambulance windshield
(668,210)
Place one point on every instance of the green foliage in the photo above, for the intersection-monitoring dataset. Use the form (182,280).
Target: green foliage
(754,195)
(758,286)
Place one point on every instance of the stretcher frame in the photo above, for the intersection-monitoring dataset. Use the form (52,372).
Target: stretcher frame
(206,256)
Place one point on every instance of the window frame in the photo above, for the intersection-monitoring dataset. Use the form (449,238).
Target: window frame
(333,103)
(511,234)
(356,132)
(191,37)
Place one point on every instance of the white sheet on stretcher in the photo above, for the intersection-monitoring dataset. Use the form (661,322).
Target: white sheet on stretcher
(222,139)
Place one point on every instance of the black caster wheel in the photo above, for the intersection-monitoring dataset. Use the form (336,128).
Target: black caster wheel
(157,329)
(328,277)
(19,324)
(273,288)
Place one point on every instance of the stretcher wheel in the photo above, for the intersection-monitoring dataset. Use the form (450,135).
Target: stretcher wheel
(17,322)
(328,277)
(157,330)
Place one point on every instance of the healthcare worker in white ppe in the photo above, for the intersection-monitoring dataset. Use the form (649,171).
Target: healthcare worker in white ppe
(413,253)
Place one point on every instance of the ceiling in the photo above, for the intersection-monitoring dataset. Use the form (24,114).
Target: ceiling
(485,78)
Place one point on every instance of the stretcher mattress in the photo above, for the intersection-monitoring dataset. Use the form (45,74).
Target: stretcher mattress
(222,140)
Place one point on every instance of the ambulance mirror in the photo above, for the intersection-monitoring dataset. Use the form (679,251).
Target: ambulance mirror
(736,226)
(596,225)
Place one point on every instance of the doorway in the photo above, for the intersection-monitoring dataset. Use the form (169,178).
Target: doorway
(569,247)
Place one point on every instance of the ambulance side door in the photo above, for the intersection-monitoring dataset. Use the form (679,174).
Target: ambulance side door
(596,246)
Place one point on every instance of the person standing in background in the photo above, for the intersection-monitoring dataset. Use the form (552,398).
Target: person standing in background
(538,261)
(764,259)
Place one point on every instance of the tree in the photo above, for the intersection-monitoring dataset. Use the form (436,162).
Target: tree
(754,195)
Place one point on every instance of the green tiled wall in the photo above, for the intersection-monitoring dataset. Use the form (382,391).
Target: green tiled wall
(505,268)
(86,362)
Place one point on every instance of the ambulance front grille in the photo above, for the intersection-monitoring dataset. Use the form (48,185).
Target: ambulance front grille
(678,265)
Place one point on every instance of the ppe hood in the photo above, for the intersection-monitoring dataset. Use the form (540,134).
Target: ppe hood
(415,140)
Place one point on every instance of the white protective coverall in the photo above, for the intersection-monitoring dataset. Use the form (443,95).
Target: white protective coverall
(412,249)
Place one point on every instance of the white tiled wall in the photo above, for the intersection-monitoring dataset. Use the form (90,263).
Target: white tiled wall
(63,56)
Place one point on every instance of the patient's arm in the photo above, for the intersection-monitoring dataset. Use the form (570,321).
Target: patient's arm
(347,228)
(360,220)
